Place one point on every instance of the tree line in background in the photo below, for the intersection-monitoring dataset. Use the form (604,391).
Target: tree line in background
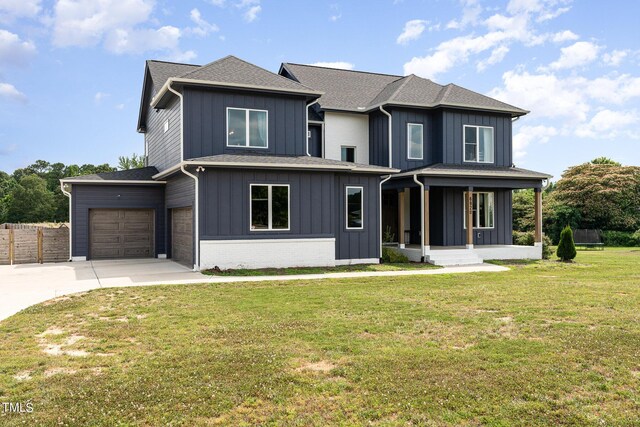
(32,194)
(601,195)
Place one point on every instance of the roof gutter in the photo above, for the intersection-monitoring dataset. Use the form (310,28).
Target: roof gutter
(385,179)
(390,135)
(306,133)
(66,193)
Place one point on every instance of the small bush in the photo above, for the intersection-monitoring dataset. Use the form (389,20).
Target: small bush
(523,238)
(390,256)
(547,250)
(566,248)
(621,238)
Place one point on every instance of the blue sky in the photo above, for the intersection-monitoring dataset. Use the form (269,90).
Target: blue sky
(71,71)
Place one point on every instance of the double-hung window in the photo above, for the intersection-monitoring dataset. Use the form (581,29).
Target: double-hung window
(247,128)
(483,210)
(415,141)
(478,144)
(354,207)
(269,207)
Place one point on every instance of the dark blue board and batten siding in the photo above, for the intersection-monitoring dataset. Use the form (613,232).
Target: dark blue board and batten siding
(86,197)
(164,147)
(180,192)
(225,202)
(358,244)
(447,218)
(205,132)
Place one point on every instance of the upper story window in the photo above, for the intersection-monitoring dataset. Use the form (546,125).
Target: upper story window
(354,208)
(483,210)
(247,128)
(478,144)
(269,207)
(415,141)
(348,154)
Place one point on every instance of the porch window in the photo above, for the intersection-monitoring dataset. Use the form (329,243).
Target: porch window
(414,141)
(354,208)
(478,144)
(348,154)
(247,128)
(269,207)
(483,210)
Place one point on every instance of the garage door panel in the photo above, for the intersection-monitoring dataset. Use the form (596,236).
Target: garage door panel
(182,235)
(121,233)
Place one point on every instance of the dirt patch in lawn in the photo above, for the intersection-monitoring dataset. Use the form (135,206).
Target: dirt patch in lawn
(59,349)
(321,366)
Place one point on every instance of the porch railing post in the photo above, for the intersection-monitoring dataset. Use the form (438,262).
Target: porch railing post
(538,217)
(426,217)
(469,202)
(401,218)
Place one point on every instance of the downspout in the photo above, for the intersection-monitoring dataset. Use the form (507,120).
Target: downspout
(66,193)
(389,136)
(306,120)
(380,193)
(196,264)
(415,179)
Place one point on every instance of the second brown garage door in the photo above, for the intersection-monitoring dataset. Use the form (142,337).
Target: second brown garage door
(182,236)
(121,233)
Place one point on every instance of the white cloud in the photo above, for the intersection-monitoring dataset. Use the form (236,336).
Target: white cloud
(497,55)
(9,91)
(336,14)
(611,89)
(412,30)
(564,36)
(119,107)
(528,134)
(86,22)
(99,97)
(202,28)
(252,13)
(578,54)
(609,124)
(471,11)
(343,65)
(614,58)
(219,3)
(121,41)
(182,56)
(11,9)
(13,50)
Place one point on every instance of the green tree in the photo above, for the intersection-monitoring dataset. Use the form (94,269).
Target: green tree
(133,162)
(566,248)
(523,210)
(30,201)
(604,161)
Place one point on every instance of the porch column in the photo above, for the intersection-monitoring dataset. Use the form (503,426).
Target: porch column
(426,217)
(401,218)
(469,202)
(538,217)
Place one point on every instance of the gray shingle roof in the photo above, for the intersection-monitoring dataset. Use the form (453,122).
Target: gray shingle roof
(476,170)
(293,162)
(361,91)
(161,71)
(141,174)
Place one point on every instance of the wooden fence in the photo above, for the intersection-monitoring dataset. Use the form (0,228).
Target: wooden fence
(34,244)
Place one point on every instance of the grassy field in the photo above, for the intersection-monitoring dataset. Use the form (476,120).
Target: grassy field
(321,270)
(545,344)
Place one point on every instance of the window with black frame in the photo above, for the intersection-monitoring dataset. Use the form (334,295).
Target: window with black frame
(354,207)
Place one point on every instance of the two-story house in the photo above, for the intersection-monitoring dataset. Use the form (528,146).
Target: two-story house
(307,167)
(229,182)
(453,147)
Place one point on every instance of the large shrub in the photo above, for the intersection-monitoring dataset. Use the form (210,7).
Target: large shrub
(527,239)
(391,256)
(620,238)
(566,248)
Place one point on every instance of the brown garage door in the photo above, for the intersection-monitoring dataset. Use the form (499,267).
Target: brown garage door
(182,236)
(121,233)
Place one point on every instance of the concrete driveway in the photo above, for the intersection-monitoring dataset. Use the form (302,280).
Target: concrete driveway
(27,284)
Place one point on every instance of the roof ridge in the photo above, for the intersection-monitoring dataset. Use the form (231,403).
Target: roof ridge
(342,69)
(172,62)
(204,66)
(443,92)
(405,78)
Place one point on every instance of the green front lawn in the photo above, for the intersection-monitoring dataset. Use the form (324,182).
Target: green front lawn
(545,344)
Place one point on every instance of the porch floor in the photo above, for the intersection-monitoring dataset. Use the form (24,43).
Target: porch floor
(460,255)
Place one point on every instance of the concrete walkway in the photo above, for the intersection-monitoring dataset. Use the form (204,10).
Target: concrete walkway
(22,286)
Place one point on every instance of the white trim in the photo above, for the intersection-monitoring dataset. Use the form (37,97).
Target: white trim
(464,144)
(306,117)
(389,135)
(269,207)
(422,213)
(107,182)
(470,246)
(247,127)
(355,153)
(380,242)
(493,211)
(468,173)
(78,258)
(346,207)
(162,256)
(355,261)
(165,87)
(409,141)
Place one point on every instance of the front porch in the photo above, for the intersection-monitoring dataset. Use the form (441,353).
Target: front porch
(426,215)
